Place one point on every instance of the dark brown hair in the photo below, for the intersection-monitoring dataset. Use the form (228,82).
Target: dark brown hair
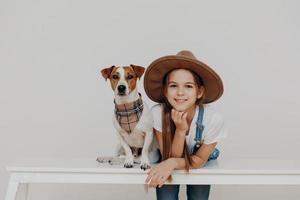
(168,126)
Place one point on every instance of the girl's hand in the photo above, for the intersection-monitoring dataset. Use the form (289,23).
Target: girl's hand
(158,175)
(180,121)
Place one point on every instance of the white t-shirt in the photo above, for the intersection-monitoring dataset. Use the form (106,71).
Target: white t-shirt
(214,128)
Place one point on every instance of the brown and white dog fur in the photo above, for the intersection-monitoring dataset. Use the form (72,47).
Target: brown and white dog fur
(124,84)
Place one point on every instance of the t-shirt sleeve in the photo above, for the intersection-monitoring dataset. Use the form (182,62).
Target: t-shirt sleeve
(216,130)
(156,111)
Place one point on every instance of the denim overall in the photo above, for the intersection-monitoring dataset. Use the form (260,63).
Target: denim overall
(199,130)
(194,192)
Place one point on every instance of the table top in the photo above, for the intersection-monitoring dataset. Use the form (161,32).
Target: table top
(220,166)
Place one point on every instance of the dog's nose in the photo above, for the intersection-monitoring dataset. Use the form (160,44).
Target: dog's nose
(121,88)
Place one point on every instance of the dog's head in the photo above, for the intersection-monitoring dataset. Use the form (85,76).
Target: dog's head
(123,79)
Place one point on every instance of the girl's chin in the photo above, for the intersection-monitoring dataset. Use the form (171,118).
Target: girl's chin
(180,108)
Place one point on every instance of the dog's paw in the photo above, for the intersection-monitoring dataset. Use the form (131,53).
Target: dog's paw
(145,163)
(145,166)
(128,163)
(103,159)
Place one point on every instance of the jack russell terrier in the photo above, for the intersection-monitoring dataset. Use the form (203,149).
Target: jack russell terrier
(132,118)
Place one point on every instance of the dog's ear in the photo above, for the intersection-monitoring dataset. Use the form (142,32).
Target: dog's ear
(107,71)
(138,70)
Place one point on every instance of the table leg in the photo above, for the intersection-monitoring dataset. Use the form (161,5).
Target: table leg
(22,193)
(12,189)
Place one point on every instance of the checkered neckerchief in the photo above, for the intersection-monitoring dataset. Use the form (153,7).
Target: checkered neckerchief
(129,114)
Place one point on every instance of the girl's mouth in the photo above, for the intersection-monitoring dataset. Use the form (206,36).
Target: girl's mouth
(180,100)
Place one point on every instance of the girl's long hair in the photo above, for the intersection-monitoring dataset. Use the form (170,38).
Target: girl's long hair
(168,126)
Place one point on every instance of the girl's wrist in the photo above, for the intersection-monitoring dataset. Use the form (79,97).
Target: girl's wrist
(181,132)
(173,162)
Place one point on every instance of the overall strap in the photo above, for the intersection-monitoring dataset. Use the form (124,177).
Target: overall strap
(199,130)
(199,126)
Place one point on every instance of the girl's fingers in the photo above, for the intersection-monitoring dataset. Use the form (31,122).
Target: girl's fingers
(184,116)
(155,180)
(151,173)
(180,117)
(173,114)
(177,115)
(161,182)
(152,183)
(151,179)
(148,179)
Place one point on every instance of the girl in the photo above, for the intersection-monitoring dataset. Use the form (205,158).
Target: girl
(183,86)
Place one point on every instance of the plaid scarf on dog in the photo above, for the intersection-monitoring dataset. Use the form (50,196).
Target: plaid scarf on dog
(129,114)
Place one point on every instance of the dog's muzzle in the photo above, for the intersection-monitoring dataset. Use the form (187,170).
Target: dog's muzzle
(121,90)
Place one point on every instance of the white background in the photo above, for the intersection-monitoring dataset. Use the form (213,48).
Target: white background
(54,103)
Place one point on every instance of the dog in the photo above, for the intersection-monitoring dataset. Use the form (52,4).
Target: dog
(132,118)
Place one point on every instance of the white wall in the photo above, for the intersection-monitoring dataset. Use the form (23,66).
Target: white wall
(54,103)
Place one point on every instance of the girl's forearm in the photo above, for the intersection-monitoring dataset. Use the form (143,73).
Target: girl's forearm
(178,144)
(179,163)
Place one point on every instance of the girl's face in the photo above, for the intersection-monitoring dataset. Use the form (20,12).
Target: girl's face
(181,90)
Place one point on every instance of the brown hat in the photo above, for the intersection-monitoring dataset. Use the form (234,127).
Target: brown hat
(153,79)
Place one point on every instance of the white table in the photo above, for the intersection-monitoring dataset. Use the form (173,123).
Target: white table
(266,171)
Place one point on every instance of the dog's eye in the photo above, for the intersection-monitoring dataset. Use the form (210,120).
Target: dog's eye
(115,76)
(129,77)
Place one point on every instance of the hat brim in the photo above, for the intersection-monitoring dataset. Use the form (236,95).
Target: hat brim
(156,71)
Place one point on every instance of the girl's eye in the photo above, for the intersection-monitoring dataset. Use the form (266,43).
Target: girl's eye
(173,85)
(189,86)
(115,76)
(129,77)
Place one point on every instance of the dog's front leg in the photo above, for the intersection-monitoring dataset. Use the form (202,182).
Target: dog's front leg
(119,150)
(129,157)
(145,162)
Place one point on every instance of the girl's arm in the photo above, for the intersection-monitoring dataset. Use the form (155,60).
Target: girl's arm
(159,174)
(177,145)
(180,121)
(198,159)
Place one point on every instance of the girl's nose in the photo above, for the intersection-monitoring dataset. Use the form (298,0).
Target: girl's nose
(180,91)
